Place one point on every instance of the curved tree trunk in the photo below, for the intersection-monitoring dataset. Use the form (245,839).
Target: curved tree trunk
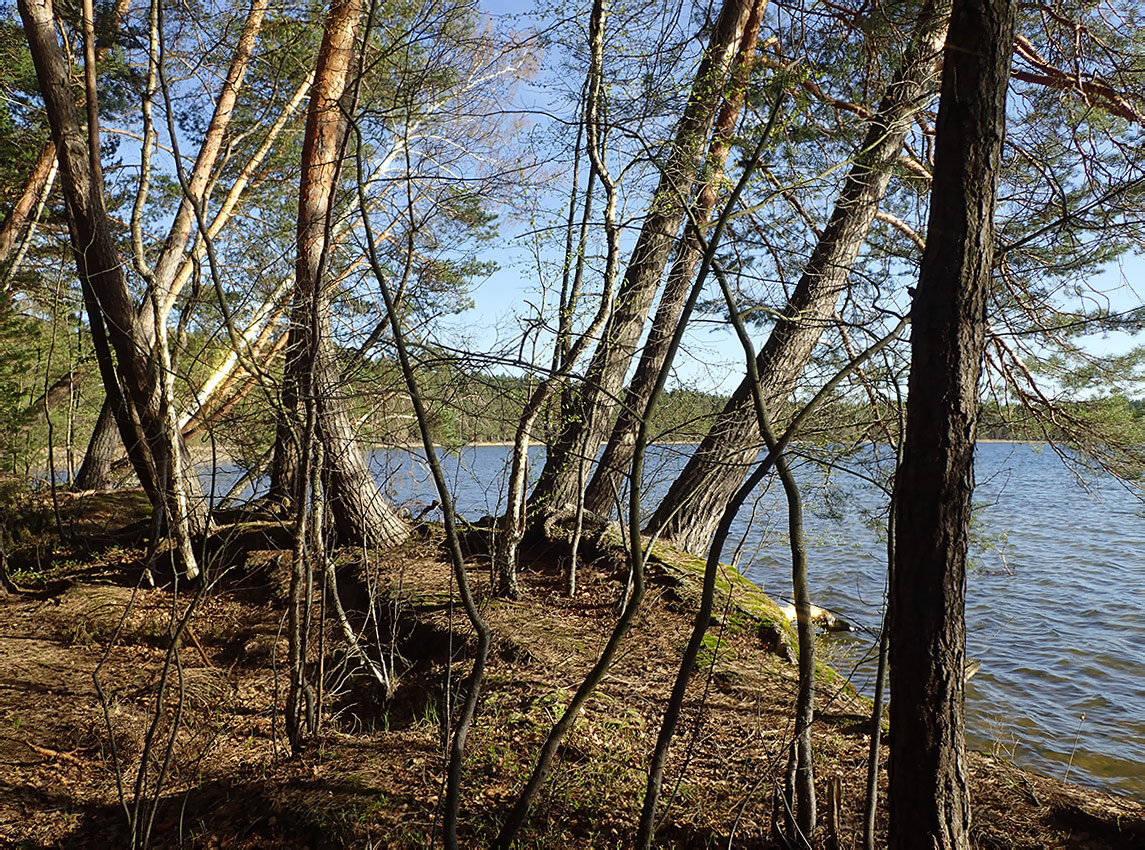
(692,507)
(100,270)
(929,791)
(19,219)
(587,412)
(514,523)
(174,264)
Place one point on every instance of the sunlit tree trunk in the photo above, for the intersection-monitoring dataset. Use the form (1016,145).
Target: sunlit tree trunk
(587,409)
(175,264)
(929,793)
(605,483)
(312,377)
(100,269)
(19,219)
(692,507)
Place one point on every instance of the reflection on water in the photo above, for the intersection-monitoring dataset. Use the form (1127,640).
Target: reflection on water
(1054,604)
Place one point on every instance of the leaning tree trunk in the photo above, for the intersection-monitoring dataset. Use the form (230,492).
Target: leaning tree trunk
(20,218)
(691,509)
(515,519)
(174,264)
(37,412)
(104,446)
(312,377)
(929,794)
(100,270)
(587,412)
(600,494)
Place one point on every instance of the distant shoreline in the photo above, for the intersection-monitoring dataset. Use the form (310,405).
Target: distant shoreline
(509,443)
(204,454)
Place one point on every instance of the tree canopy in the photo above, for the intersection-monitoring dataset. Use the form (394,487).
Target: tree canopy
(277,232)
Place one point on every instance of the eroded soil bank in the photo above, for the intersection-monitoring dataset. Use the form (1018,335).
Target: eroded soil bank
(82,663)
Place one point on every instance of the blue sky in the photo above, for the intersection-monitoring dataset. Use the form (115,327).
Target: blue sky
(714,359)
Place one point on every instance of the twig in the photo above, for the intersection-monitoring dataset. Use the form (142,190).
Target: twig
(1076,735)
(198,646)
(53,754)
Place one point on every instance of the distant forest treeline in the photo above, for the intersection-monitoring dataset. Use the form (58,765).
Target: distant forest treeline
(469,407)
(463,406)
(473,407)
(483,408)
(844,421)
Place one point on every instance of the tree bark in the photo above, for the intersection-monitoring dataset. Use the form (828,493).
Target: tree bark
(100,270)
(20,218)
(102,450)
(174,265)
(691,509)
(605,482)
(37,412)
(311,374)
(929,793)
(587,410)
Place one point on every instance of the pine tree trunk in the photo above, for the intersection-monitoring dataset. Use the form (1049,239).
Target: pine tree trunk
(19,219)
(587,410)
(929,794)
(100,270)
(359,510)
(102,450)
(286,462)
(692,507)
(312,377)
(599,495)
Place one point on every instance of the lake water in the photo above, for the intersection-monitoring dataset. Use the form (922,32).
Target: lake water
(1055,599)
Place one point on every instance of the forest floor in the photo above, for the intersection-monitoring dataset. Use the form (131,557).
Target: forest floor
(373,775)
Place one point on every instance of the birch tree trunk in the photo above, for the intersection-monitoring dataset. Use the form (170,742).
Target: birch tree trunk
(175,262)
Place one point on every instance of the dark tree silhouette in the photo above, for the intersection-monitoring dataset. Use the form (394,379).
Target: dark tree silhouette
(929,794)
